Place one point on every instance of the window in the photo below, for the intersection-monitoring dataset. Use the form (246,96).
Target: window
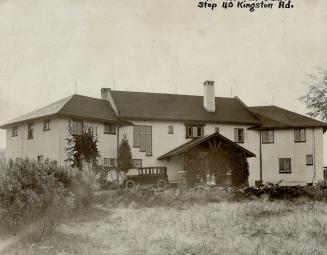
(40,159)
(217,129)
(170,130)
(109,162)
(137,163)
(239,135)
(142,138)
(309,160)
(285,165)
(14,131)
(30,131)
(75,127)
(19,161)
(267,136)
(46,125)
(54,163)
(194,131)
(299,135)
(109,129)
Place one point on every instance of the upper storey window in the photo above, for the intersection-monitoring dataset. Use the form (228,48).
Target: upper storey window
(142,138)
(76,127)
(46,125)
(194,131)
(299,135)
(109,129)
(267,136)
(239,135)
(14,131)
(30,131)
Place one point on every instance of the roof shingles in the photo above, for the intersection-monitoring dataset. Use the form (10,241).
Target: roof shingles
(276,117)
(155,106)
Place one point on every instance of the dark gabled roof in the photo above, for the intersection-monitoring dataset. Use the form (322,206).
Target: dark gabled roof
(196,141)
(276,117)
(73,106)
(156,106)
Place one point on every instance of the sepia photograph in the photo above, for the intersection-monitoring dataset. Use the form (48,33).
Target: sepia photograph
(176,127)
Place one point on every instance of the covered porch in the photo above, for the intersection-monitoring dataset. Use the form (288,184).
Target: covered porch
(212,159)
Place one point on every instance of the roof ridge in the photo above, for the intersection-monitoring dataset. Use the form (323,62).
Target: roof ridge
(170,94)
(246,108)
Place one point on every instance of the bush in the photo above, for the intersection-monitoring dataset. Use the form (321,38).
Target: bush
(42,194)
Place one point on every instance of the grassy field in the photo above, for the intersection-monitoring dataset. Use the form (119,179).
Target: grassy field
(252,227)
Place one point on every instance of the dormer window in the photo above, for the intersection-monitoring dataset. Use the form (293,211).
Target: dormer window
(193,131)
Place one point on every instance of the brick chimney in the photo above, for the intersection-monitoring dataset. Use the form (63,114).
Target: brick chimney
(105,93)
(209,102)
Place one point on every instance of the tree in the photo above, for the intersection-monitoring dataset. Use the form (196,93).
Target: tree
(124,157)
(316,97)
(82,148)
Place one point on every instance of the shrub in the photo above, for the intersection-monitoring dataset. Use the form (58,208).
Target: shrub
(27,191)
(42,194)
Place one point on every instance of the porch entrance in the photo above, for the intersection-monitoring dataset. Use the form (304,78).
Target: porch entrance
(213,157)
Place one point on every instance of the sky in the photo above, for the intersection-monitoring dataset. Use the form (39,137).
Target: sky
(166,46)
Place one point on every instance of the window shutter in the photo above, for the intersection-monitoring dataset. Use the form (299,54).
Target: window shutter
(302,134)
(281,165)
(142,138)
(235,135)
(297,135)
(287,165)
(148,141)
(136,136)
(194,131)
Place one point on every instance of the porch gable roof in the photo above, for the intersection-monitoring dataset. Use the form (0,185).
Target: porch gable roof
(196,141)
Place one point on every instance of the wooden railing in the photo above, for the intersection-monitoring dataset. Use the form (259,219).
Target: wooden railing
(152,170)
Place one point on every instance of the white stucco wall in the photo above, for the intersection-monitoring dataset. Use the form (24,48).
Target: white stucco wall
(51,144)
(285,147)
(162,142)
(44,143)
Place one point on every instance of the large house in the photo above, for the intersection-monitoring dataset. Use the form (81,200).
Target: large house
(170,130)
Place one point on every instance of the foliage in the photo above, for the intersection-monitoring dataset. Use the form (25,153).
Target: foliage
(27,192)
(41,195)
(83,148)
(124,157)
(316,97)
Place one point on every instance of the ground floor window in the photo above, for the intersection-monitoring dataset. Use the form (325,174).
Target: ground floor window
(309,160)
(285,165)
(40,159)
(137,163)
(109,162)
